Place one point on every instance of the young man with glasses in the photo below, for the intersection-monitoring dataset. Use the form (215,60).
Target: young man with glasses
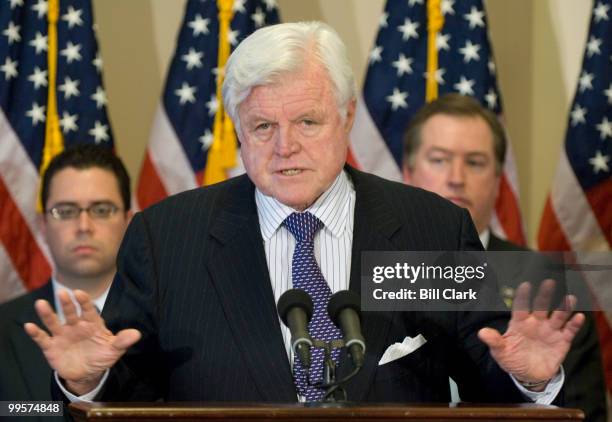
(86,208)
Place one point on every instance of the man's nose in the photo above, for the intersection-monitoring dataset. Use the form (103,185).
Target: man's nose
(286,142)
(84,221)
(456,175)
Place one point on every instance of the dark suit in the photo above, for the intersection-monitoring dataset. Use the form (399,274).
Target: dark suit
(193,278)
(584,383)
(24,372)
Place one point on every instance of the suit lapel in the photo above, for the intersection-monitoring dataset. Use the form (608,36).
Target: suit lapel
(240,273)
(374,226)
(30,359)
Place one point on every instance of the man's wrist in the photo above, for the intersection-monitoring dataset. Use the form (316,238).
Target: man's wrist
(534,385)
(82,386)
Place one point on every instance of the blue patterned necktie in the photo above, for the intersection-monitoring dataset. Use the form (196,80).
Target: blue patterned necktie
(307,275)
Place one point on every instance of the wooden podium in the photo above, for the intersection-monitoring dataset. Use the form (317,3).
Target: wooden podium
(299,412)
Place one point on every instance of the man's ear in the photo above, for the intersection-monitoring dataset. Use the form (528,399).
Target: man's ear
(350,115)
(407,174)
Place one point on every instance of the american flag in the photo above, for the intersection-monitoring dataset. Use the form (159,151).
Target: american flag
(182,134)
(24,112)
(578,212)
(394,88)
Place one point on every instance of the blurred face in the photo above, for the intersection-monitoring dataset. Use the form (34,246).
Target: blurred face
(456,160)
(84,247)
(293,140)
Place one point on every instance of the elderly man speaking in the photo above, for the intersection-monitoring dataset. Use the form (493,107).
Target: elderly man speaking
(198,275)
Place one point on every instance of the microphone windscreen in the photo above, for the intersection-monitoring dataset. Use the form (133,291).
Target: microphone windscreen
(342,300)
(294,298)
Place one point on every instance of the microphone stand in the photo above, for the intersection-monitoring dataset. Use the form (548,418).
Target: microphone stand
(335,395)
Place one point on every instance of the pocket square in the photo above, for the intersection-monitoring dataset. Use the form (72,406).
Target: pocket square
(399,350)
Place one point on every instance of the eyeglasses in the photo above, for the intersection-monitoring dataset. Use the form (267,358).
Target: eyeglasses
(97,211)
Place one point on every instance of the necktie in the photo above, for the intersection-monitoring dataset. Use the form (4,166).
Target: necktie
(307,275)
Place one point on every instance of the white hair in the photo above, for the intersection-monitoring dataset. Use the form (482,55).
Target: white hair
(274,51)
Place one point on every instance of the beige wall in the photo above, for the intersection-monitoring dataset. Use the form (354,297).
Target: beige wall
(538,47)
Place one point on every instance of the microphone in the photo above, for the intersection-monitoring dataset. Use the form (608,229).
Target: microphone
(344,309)
(295,309)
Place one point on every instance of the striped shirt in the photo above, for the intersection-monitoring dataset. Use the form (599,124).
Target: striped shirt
(332,244)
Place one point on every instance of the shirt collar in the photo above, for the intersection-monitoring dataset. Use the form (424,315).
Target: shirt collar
(485,236)
(332,208)
(98,302)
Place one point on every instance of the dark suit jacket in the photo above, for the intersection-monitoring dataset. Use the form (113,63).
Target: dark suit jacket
(584,383)
(24,372)
(193,278)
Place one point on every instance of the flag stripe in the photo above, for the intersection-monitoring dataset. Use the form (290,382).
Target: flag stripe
(155,190)
(507,209)
(600,200)
(168,156)
(368,148)
(11,282)
(16,237)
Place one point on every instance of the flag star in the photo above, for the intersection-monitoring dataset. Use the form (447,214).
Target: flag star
(375,54)
(37,113)
(99,132)
(73,17)
(193,58)
(491,99)
(238,6)
(12,33)
(212,105)
(442,41)
(491,66)
(39,77)
(601,12)
(99,97)
(465,86)
(270,4)
(599,162)
(9,68)
(411,3)
(397,99)
(68,122)
(608,93)
(446,6)
(70,88)
(604,128)
(232,36)
(403,65)
(72,52)
(593,46)
(41,8)
(409,29)
(475,17)
(578,115)
(206,140)
(15,3)
(585,81)
(217,71)
(39,43)
(199,25)
(186,93)
(470,51)
(97,62)
(438,75)
(258,18)
(382,22)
